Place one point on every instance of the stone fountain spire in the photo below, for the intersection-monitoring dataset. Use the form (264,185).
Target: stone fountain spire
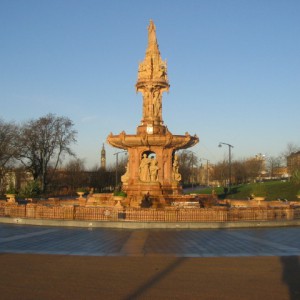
(152,82)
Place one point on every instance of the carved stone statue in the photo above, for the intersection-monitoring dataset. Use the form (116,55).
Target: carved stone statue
(144,171)
(153,170)
(163,71)
(157,105)
(146,104)
(125,177)
(176,174)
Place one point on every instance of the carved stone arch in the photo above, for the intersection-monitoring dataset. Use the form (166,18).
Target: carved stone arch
(149,153)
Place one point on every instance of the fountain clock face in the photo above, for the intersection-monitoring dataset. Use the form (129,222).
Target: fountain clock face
(149,129)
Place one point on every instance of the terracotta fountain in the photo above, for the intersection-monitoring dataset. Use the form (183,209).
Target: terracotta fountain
(152,168)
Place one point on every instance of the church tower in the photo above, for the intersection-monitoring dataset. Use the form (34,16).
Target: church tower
(103,158)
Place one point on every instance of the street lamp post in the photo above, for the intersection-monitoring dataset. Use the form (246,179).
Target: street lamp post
(229,147)
(117,164)
(207,172)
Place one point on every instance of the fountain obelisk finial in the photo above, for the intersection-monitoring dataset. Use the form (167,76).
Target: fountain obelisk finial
(152,41)
(152,82)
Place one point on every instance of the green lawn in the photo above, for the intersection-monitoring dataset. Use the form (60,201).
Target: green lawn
(273,189)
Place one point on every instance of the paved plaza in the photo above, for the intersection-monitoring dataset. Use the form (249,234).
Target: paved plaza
(40,262)
(126,242)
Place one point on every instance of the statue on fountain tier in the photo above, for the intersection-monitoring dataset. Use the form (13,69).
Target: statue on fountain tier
(148,170)
(153,170)
(144,169)
(125,177)
(176,174)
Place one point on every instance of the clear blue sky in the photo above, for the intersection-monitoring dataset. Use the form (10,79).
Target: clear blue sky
(233,66)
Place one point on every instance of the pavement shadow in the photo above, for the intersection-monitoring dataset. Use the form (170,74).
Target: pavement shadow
(291,275)
(154,280)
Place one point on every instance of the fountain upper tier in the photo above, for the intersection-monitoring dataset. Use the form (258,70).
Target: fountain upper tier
(152,81)
(168,140)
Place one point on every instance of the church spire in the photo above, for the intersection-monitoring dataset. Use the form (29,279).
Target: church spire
(152,82)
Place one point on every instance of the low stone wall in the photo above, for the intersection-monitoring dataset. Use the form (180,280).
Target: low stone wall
(100,199)
(256,203)
(171,214)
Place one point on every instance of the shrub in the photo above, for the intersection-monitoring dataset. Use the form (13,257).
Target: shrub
(82,190)
(296,177)
(31,190)
(11,190)
(120,193)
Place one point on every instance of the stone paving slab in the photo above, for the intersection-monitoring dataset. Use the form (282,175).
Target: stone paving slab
(126,242)
(63,277)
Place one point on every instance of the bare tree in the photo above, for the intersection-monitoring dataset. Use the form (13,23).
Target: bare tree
(253,169)
(273,162)
(75,174)
(8,141)
(220,172)
(43,143)
(290,148)
(102,180)
(188,163)
(239,172)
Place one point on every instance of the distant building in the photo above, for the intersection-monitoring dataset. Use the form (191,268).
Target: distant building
(293,162)
(280,172)
(103,158)
(204,174)
(14,178)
